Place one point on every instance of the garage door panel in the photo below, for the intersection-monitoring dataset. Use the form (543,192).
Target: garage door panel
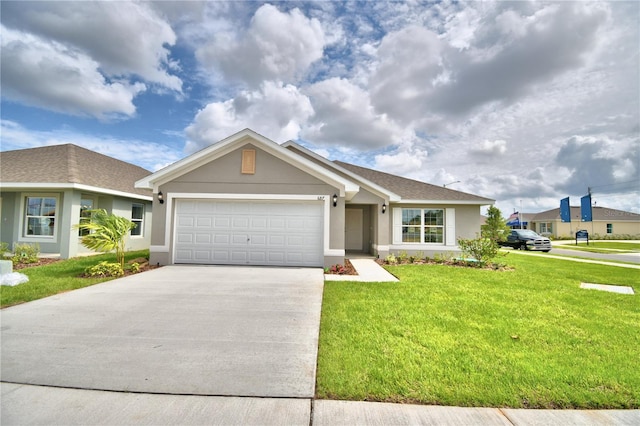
(255,233)
(203,238)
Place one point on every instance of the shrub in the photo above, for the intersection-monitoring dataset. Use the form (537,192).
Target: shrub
(391,259)
(25,253)
(482,249)
(402,257)
(135,267)
(4,247)
(105,269)
(337,270)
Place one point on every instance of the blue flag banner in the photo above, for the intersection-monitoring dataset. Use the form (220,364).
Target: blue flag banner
(585,208)
(565,210)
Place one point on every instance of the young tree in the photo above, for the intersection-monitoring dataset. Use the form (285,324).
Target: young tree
(106,233)
(495,228)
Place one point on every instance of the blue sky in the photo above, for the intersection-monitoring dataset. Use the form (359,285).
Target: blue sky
(523,102)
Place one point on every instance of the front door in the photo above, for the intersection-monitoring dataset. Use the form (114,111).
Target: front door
(353,229)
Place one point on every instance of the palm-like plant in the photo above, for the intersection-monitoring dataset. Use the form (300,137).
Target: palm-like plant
(106,233)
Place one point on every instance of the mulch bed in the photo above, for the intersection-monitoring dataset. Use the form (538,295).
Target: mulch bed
(346,269)
(41,262)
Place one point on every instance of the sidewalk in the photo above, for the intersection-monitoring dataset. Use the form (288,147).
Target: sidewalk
(42,405)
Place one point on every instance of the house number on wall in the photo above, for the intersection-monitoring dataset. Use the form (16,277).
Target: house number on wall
(320,197)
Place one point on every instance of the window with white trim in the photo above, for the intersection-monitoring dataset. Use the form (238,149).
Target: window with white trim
(40,216)
(137,217)
(423,226)
(86,205)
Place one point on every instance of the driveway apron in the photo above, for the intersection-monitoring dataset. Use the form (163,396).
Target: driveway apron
(193,330)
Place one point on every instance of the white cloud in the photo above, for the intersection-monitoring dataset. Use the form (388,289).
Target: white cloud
(50,75)
(276,46)
(276,111)
(489,148)
(344,116)
(424,78)
(149,155)
(125,38)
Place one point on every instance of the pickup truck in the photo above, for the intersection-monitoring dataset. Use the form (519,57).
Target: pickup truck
(525,239)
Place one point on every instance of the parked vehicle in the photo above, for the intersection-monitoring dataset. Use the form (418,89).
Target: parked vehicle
(525,239)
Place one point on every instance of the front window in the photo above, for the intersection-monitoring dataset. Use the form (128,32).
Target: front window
(609,228)
(86,205)
(545,227)
(137,217)
(40,217)
(423,225)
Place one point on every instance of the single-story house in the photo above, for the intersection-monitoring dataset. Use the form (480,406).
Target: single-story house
(45,191)
(250,201)
(606,221)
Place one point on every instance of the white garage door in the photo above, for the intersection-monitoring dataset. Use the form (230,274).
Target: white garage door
(249,233)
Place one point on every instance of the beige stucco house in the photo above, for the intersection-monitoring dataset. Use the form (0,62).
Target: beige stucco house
(606,222)
(45,191)
(250,201)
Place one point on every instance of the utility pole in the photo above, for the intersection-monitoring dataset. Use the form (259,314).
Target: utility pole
(521,214)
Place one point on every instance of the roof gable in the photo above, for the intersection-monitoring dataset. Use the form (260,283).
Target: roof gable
(68,164)
(347,187)
(372,186)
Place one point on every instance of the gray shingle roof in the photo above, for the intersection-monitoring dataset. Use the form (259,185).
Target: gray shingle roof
(598,213)
(64,164)
(410,189)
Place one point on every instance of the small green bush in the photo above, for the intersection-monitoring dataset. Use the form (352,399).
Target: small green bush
(104,269)
(482,249)
(25,253)
(135,267)
(4,247)
(402,257)
(391,259)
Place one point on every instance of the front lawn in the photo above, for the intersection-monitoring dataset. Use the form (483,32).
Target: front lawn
(528,337)
(57,277)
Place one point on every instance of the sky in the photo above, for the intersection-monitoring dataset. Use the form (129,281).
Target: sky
(522,102)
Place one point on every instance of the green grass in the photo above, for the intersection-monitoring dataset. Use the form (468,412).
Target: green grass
(603,247)
(57,277)
(529,337)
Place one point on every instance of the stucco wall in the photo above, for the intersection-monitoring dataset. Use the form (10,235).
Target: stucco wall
(562,229)
(223,176)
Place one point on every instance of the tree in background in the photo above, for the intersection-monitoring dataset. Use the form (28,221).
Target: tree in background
(495,228)
(106,232)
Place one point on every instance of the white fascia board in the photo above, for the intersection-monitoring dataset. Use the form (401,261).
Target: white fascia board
(191,162)
(375,188)
(456,202)
(215,151)
(79,186)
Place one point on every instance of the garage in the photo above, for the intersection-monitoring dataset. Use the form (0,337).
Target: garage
(237,232)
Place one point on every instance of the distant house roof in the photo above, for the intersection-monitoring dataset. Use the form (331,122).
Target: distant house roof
(411,190)
(599,213)
(70,164)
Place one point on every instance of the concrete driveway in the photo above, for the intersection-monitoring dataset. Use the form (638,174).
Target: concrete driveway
(193,330)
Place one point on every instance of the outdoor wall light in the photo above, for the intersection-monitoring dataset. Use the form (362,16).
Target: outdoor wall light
(160,197)
(384,207)
(335,200)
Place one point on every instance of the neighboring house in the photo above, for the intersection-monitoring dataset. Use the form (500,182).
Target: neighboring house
(250,201)
(45,191)
(606,221)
